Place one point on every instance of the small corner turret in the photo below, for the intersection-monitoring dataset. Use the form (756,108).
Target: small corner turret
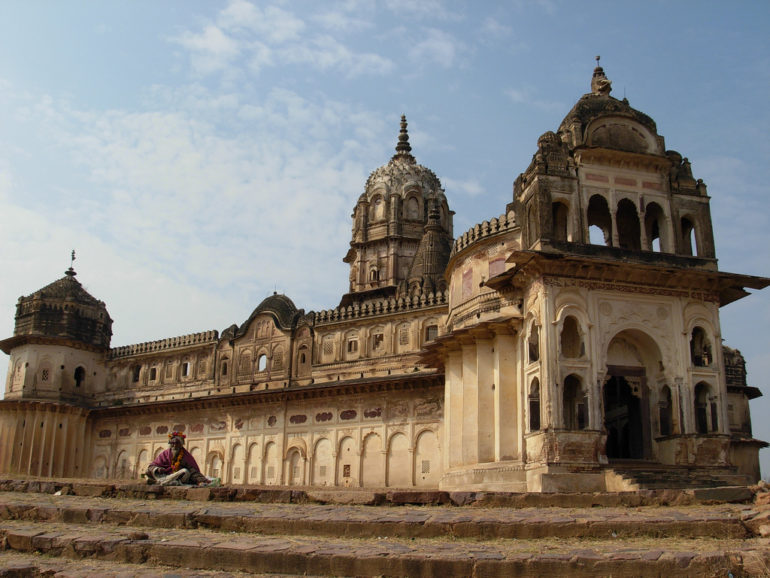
(604,183)
(60,340)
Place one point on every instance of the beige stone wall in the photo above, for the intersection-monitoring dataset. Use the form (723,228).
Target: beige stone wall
(43,439)
(54,372)
(365,440)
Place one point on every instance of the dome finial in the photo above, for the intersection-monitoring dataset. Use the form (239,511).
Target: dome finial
(600,84)
(403,148)
(71,272)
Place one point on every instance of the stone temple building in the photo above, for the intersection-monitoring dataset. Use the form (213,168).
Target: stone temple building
(554,347)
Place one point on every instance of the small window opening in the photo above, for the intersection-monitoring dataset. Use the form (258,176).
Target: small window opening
(80,376)
(665,413)
(560,220)
(574,404)
(700,348)
(599,221)
(689,243)
(571,342)
(431,332)
(533,343)
(629,231)
(262,362)
(534,405)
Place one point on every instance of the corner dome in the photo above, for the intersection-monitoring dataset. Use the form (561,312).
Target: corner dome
(67,288)
(598,119)
(63,309)
(282,310)
(401,171)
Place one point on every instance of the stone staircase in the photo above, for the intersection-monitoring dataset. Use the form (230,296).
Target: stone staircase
(633,475)
(78,528)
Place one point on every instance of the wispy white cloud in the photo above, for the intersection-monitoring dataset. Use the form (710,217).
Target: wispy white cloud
(326,52)
(174,201)
(527,97)
(491,27)
(425,9)
(211,50)
(271,24)
(437,46)
(469,187)
(273,36)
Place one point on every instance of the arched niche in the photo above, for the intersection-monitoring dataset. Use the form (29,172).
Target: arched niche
(574,403)
(706,408)
(560,221)
(599,221)
(571,341)
(656,229)
(622,134)
(689,239)
(633,360)
(534,405)
(629,231)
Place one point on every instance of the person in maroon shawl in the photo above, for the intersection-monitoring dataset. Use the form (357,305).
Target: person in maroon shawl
(175,466)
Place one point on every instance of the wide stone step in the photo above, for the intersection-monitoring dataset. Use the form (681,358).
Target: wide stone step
(131,530)
(661,477)
(324,556)
(719,521)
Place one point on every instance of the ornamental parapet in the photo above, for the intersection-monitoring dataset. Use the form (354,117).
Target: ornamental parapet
(203,338)
(382,307)
(484,230)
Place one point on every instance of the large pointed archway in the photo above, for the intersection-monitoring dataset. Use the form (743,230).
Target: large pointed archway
(626,414)
(633,358)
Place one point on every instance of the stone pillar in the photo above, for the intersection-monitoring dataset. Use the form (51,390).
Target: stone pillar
(508,395)
(46,451)
(470,412)
(453,410)
(34,440)
(485,382)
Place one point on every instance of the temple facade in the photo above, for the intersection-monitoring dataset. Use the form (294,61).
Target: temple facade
(545,349)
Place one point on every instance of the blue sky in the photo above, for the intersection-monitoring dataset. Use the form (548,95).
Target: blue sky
(199,155)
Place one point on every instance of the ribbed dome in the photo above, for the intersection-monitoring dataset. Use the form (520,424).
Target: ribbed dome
(592,106)
(67,288)
(280,307)
(597,104)
(402,170)
(63,309)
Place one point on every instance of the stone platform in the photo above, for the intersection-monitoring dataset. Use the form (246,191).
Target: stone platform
(113,529)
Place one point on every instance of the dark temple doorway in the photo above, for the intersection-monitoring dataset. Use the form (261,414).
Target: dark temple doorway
(626,414)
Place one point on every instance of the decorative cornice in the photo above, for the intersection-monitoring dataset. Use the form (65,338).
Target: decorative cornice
(382,307)
(172,343)
(484,230)
(350,387)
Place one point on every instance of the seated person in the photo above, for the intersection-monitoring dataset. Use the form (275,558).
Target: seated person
(175,466)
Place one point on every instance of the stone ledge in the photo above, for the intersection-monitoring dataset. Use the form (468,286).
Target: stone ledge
(385,496)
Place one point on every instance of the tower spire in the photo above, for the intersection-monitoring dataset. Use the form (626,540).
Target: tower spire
(403,148)
(600,84)
(71,271)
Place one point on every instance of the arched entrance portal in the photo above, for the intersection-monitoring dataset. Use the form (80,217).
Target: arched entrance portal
(633,357)
(626,416)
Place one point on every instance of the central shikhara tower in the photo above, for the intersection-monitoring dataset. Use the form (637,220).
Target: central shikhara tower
(571,343)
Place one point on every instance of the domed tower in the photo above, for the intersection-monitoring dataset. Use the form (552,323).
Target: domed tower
(61,336)
(57,367)
(605,178)
(403,204)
